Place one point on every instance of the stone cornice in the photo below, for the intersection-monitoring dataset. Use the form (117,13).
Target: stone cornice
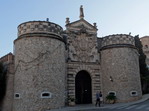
(46,35)
(118,46)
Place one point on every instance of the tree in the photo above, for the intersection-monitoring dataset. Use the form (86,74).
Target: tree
(144,72)
(3,77)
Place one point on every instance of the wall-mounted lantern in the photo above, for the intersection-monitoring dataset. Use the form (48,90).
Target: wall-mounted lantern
(111,79)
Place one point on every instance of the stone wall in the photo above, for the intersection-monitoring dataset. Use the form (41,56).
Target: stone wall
(40,70)
(9,58)
(120,70)
(145,47)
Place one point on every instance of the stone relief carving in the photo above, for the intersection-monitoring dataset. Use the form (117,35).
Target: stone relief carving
(82,46)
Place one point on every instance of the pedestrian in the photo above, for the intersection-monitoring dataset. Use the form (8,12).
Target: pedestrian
(101,98)
(97,98)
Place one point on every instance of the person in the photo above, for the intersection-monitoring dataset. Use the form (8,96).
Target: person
(98,98)
(101,98)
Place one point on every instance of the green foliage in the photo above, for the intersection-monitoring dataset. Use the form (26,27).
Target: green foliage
(71,99)
(143,67)
(144,72)
(3,77)
(111,98)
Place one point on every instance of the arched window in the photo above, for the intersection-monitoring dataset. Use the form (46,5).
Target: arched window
(112,93)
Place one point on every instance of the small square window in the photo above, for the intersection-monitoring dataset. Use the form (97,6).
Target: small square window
(134,93)
(17,96)
(46,95)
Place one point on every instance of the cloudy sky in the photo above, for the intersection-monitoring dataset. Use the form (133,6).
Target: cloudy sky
(111,16)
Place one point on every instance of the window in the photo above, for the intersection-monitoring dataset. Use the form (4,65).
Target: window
(112,93)
(16,96)
(133,93)
(46,95)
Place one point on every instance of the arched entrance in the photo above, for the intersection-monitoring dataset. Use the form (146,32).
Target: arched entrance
(83,88)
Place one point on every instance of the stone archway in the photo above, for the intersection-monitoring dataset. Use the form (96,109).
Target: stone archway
(83,89)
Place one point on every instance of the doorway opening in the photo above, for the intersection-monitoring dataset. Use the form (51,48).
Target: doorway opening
(83,92)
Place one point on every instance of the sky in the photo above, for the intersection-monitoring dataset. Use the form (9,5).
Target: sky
(111,16)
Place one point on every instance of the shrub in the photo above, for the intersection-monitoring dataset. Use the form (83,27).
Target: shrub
(111,98)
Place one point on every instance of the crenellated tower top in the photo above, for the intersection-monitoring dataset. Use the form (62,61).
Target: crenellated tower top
(39,27)
(118,40)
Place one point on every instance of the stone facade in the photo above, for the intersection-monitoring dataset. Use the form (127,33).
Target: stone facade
(82,55)
(145,45)
(52,65)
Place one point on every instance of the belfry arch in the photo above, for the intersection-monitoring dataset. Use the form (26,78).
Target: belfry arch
(83,87)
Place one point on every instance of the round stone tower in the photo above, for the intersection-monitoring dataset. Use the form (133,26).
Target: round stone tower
(39,67)
(120,68)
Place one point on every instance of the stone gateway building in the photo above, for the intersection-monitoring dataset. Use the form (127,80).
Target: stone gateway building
(52,64)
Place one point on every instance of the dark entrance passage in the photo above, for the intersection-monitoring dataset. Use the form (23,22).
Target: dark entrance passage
(83,88)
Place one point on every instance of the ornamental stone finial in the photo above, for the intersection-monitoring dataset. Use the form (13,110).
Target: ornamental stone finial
(67,21)
(47,19)
(81,12)
(95,25)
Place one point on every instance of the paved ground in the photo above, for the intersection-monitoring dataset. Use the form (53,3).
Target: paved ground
(143,106)
(114,107)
